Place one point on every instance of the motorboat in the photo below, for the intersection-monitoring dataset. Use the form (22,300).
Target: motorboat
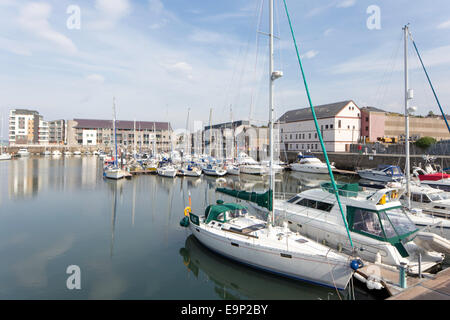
(432,201)
(56,153)
(213,170)
(380,229)
(229,229)
(47,153)
(383,173)
(248,165)
(67,153)
(77,153)
(23,152)
(277,167)
(438,180)
(309,164)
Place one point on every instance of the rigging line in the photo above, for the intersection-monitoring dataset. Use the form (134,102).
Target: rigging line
(255,71)
(317,127)
(384,86)
(390,66)
(429,81)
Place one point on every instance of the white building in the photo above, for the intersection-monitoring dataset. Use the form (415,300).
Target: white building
(23,127)
(340,125)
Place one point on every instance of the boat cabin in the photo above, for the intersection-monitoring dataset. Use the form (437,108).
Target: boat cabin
(224,212)
(393,171)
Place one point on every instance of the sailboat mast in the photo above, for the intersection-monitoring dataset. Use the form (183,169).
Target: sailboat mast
(210,132)
(134,138)
(114,129)
(271,79)
(407,97)
(188,150)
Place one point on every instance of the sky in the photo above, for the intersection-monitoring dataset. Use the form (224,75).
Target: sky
(161,58)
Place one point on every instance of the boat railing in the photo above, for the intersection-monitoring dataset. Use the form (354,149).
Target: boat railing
(284,195)
(346,190)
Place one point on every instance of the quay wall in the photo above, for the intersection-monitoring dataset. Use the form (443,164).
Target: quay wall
(352,161)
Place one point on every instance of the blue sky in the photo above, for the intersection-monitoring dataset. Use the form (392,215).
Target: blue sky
(161,57)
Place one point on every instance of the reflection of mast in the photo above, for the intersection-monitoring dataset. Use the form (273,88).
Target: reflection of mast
(133,208)
(113,218)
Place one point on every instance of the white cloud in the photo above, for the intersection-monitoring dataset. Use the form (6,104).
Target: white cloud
(346,3)
(444,25)
(34,18)
(180,68)
(310,54)
(159,16)
(328,32)
(111,12)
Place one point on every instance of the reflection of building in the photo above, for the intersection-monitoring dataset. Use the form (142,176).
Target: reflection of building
(339,124)
(377,123)
(57,131)
(90,132)
(27,127)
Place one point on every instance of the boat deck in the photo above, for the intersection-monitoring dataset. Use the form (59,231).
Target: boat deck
(428,289)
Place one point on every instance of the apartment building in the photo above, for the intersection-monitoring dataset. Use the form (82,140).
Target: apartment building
(27,127)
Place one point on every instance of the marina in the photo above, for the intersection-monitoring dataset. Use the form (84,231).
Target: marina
(341,192)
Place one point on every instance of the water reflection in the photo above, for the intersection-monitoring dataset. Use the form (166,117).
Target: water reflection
(28,176)
(235,281)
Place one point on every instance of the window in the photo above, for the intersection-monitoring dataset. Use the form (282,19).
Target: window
(367,128)
(303,146)
(319,205)
(315,135)
(367,222)
(348,127)
(388,229)
(339,124)
(310,136)
(367,119)
(293,199)
(303,136)
(290,136)
(326,127)
(331,126)
(416,197)
(316,146)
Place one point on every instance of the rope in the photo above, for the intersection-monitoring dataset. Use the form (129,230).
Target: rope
(317,128)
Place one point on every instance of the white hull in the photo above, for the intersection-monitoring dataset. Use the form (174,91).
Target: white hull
(115,174)
(23,154)
(376,176)
(214,172)
(167,172)
(233,170)
(443,184)
(252,169)
(332,271)
(310,168)
(5,156)
(191,173)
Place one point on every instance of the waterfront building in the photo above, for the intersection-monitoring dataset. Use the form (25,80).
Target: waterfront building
(340,125)
(93,132)
(377,124)
(57,132)
(27,127)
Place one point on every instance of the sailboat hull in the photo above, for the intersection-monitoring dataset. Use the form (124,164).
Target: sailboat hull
(303,267)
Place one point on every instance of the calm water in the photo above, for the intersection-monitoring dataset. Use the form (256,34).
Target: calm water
(124,236)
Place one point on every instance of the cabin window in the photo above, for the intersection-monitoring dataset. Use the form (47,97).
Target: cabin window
(220,217)
(402,224)
(315,204)
(388,229)
(367,222)
(416,197)
(292,200)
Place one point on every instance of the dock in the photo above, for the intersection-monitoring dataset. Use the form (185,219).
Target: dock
(437,288)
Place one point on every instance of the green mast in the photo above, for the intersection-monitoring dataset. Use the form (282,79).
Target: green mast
(330,172)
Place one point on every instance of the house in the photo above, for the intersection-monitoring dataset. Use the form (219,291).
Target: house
(339,123)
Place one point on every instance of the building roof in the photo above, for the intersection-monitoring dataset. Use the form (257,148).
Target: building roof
(121,124)
(322,111)
(373,109)
(25,111)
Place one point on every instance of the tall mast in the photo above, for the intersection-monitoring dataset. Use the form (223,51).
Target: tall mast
(114,130)
(188,150)
(134,138)
(210,132)
(154,139)
(407,98)
(271,79)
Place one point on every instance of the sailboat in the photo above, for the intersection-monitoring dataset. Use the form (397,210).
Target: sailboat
(230,230)
(114,171)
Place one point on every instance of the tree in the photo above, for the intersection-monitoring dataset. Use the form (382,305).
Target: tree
(430,114)
(425,142)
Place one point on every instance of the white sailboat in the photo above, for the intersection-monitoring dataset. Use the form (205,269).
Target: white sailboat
(248,165)
(114,171)
(229,229)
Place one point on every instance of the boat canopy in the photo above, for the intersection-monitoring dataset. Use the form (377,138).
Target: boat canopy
(261,199)
(223,211)
(346,190)
(391,170)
